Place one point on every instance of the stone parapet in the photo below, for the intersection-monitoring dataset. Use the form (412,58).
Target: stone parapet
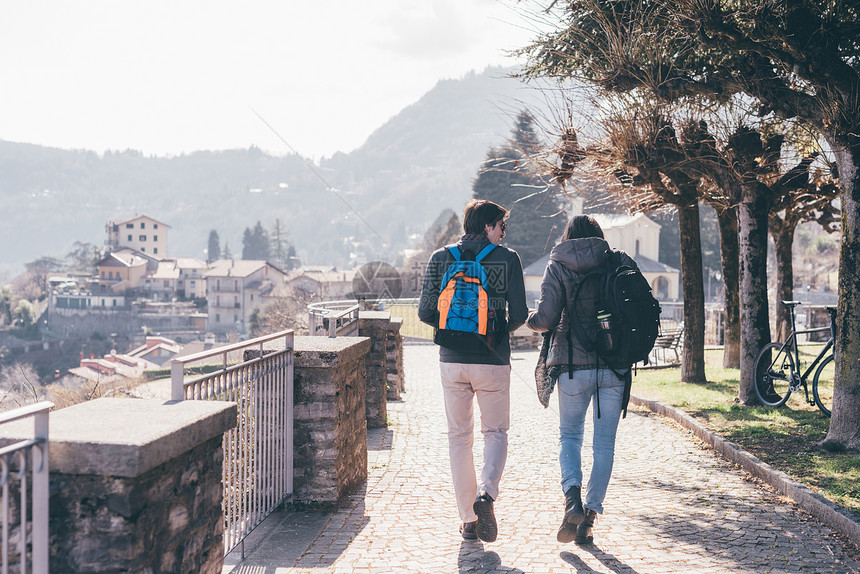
(330,435)
(136,485)
(394,360)
(376,325)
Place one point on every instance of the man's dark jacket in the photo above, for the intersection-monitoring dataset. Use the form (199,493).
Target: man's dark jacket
(507,295)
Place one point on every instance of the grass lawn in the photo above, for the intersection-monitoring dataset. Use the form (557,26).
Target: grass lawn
(786,437)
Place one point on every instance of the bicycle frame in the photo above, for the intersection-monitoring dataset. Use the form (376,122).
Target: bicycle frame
(792,340)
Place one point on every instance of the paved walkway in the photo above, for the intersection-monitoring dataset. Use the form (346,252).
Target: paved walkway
(672,505)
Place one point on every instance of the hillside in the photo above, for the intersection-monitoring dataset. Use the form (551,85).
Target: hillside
(419,163)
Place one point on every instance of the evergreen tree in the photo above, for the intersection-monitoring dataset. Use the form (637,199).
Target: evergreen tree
(509,179)
(214,250)
(226,254)
(280,245)
(255,243)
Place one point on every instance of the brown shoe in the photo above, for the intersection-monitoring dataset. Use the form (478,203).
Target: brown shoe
(469,530)
(487,528)
(584,532)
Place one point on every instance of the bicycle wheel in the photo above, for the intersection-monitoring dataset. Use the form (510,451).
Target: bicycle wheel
(822,385)
(773,371)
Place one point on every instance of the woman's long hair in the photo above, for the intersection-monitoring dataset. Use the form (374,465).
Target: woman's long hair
(581,226)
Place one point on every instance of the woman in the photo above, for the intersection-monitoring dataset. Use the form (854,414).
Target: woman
(581,375)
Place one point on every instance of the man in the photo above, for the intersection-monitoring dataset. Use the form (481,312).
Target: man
(484,372)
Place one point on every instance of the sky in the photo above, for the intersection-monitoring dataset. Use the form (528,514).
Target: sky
(178,76)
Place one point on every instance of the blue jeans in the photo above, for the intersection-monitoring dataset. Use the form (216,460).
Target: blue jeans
(574,396)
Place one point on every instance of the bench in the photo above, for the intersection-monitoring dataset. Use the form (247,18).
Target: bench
(668,340)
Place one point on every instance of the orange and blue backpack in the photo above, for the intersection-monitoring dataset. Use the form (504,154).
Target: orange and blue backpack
(467,320)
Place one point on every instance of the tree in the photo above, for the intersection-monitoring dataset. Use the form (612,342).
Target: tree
(83,257)
(799,60)
(510,179)
(227,254)
(213,252)
(255,243)
(280,246)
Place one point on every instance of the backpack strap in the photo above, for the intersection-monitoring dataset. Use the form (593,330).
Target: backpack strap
(485,251)
(454,251)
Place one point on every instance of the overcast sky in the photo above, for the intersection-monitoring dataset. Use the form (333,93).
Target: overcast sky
(167,77)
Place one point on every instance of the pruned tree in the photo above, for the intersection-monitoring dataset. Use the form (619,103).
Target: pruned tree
(798,59)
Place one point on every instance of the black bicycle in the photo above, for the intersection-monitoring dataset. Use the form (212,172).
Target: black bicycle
(777,371)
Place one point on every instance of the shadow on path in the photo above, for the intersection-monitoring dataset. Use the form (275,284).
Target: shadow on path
(473,559)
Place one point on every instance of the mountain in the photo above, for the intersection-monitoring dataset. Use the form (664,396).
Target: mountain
(368,204)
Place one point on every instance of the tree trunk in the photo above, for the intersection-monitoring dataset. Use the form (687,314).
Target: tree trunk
(784,280)
(730,262)
(845,422)
(693,358)
(754,321)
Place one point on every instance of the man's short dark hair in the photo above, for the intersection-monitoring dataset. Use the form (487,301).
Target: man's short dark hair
(481,212)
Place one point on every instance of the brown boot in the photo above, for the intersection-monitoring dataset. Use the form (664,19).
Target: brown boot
(574,514)
(584,532)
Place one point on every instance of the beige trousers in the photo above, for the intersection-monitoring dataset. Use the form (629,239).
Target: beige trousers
(491,385)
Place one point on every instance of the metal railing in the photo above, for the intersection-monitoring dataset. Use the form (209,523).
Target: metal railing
(333,318)
(32,504)
(321,315)
(258,453)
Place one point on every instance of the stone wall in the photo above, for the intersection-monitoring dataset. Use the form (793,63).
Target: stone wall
(394,360)
(330,435)
(136,485)
(375,325)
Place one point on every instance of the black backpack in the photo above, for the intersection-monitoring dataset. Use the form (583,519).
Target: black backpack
(625,320)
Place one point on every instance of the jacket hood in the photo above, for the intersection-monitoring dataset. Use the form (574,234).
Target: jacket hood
(581,255)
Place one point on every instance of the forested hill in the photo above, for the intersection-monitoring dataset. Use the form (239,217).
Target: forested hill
(419,163)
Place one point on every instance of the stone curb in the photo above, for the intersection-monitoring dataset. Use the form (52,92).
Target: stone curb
(828,512)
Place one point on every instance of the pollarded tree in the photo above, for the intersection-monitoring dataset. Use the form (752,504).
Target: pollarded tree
(800,195)
(510,178)
(799,59)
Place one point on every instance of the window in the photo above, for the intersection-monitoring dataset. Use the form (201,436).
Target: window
(155,226)
(155,238)
(218,284)
(129,225)
(143,249)
(166,283)
(114,302)
(236,285)
(129,237)
(155,249)
(141,237)
(193,283)
(217,317)
(103,274)
(110,274)
(235,318)
(142,225)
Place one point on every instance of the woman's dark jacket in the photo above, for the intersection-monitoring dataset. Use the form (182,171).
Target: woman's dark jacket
(569,261)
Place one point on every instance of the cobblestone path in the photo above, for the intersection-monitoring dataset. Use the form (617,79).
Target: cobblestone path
(672,505)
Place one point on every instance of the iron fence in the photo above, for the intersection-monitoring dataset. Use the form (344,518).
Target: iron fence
(258,452)
(24,504)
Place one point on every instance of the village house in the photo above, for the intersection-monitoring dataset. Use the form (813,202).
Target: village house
(234,288)
(140,233)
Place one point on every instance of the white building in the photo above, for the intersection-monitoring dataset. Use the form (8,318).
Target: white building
(141,233)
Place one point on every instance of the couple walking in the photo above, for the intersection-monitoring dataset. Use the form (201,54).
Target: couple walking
(484,373)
